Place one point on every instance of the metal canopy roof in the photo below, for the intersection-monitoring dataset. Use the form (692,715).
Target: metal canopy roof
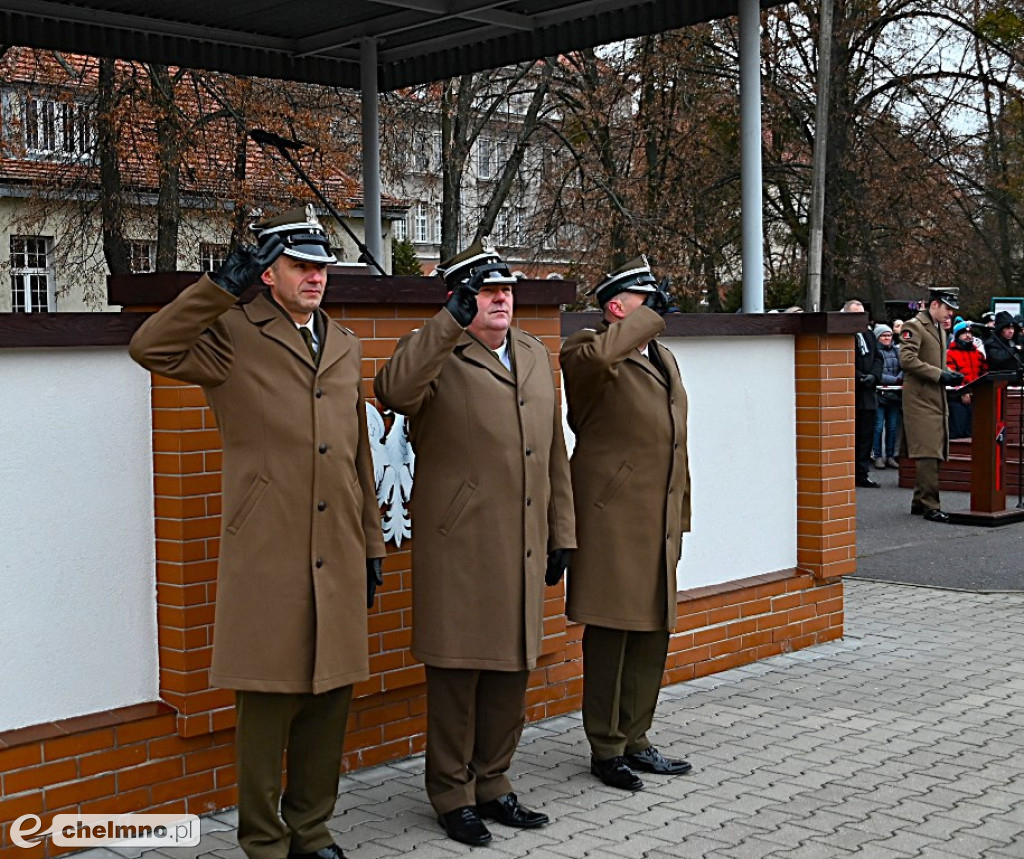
(319,40)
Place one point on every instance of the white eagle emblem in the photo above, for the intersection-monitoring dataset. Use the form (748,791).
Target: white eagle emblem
(393,465)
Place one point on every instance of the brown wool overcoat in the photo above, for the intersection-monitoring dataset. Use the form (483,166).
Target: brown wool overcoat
(925,411)
(291,580)
(630,475)
(491,493)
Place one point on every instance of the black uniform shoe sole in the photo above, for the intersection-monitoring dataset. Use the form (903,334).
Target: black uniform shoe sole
(682,768)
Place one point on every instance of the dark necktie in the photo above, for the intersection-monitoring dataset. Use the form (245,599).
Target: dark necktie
(307,336)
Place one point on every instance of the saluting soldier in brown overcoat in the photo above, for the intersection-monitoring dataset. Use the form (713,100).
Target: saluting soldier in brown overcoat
(300,525)
(925,410)
(491,501)
(631,488)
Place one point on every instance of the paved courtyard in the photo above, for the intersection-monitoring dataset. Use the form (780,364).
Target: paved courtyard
(905,739)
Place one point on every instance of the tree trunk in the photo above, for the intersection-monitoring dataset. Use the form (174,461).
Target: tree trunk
(454,114)
(168,141)
(112,216)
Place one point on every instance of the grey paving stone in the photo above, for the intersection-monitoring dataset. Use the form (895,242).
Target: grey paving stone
(904,739)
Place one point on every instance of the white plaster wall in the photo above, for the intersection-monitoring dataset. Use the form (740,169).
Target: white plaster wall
(77,564)
(742,446)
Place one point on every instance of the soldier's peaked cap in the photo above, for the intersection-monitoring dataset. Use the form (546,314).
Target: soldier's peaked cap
(302,234)
(634,276)
(947,295)
(478,261)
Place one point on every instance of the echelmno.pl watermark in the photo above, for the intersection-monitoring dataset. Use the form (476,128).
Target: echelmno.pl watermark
(123,830)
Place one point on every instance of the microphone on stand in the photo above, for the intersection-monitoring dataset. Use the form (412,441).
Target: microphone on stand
(268,138)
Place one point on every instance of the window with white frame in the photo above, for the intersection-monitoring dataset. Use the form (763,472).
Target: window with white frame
(400,229)
(517,233)
(500,231)
(141,256)
(437,223)
(32,284)
(57,129)
(425,149)
(211,256)
(485,158)
(421,224)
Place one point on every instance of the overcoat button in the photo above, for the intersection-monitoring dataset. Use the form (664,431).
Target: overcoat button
(323,448)
(529,450)
(322,505)
(319,563)
(529,552)
(522,402)
(529,501)
(319,393)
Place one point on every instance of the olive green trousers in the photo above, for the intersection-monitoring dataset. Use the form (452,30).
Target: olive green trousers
(309,731)
(622,672)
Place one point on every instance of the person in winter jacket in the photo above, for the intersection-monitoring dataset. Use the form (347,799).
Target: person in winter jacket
(1003,351)
(963,357)
(890,403)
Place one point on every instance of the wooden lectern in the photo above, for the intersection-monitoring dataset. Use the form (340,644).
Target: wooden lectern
(988,483)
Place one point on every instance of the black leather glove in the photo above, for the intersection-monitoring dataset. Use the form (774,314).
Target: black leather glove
(657,301)
(868,381)
(558,562)
(462,303)
(245,264)
(374,579)
(951,377)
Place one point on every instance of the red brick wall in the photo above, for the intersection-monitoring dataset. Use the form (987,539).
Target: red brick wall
(177,755)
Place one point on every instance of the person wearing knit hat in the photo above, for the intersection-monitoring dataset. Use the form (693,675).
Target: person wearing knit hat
(867,375)
(1002,350)
(890,411)
(964,357)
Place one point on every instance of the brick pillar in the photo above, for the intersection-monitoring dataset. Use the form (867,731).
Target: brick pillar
(186,487)
(826,504)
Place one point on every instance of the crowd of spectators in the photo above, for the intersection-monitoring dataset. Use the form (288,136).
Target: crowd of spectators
(996,344)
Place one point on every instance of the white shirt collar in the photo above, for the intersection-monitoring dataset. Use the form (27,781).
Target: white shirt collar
(312,330)
(502,353)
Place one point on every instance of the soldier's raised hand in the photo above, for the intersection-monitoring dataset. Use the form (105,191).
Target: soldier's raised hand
(461,303)
(245,264)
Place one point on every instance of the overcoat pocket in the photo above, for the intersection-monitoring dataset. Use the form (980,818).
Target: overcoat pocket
(249,502)
(614,485)
(454,511)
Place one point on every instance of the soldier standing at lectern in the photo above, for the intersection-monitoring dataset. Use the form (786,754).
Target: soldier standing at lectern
(925,411)
(631,487)
(301,537)
(491,510)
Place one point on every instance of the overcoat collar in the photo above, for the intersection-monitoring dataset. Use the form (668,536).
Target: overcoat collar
(521,354)
(275,323)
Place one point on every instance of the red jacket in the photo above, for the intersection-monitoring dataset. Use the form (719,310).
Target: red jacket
(970,361)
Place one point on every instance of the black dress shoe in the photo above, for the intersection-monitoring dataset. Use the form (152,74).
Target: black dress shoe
(464,824)
(650,760)
(936,516)
(867,482)
(615,772)
(506,809)
(916,510)
(331,851)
